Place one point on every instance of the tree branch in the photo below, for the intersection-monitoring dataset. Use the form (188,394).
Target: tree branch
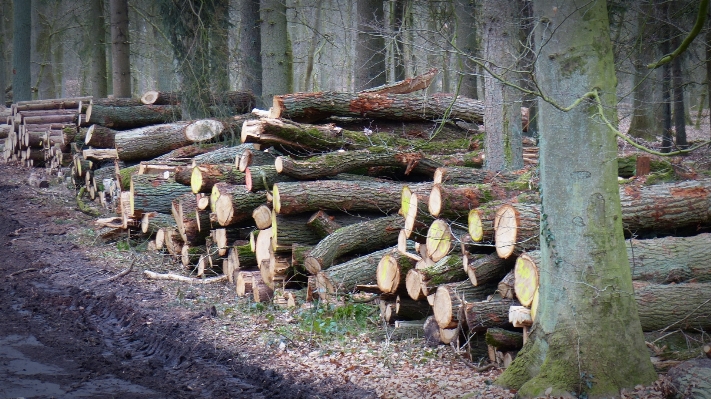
(698,25)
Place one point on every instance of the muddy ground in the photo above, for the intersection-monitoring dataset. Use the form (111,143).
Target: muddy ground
(66,331)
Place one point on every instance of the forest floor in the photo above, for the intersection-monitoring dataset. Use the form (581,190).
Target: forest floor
(69,331)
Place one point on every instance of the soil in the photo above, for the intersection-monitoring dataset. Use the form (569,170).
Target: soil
(68,332)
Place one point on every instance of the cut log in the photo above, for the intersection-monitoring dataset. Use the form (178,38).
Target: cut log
(132,117)
(243,284)
(322,224)
(100,137)
(189,220)
(288,230)
(333,163)
(151,222)
(344,277)
(670,259)
(424,279)
(372,234)
(253,157)
(100,154)
(205,176)
(175,277)
(154,193)
(432,332)
(441,240)
(238,102)
(153,97)
(504,340)
(311,107)
(48,119)
(115,102)
(480,316)
(52,103)
(298,137)
(453,175)
(506,286)
(235,204)
(262,216)
(222,155)
(240,256)
(190,256)
(263,177)
(516,228)
(310,196)
(677,306)
(413,208)
(483,269)
(456,201)
(405,86)
(449,298)
(392,271)
(526,277)
(260,291)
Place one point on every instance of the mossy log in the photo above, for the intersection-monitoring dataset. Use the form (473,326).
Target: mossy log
(186,154)
(292,229)
(222,155)
(132,117)
(455,201)
(424,280)
(479,316)
(333,163)
(483,269)
(313,107)
(264,177)
(452,175)
(627,164)
(241,256)
(516,228)
(298,254)
(205,176)
(225,237)
(322,224)
(368,235)
(344,277)
(683,306)
(670,259)
(190,255)
(314,138)
(154,193)
(235,203)
(392,271)
(504,340)
(100,137)
(310,196)
(151,222)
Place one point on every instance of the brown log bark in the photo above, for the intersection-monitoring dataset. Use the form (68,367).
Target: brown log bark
(288,230)
(311,107)
(449,298)
(189,220)
(154,193)
(673,306)
(253,157)
(480,316)
(483,269)
(132,117)
(234,203)
(452,175)
(455,201)
(100,137)
(263,177)
(153,97)
(504,340)
(516,229)
(204,177)
(372,234)
(344,277)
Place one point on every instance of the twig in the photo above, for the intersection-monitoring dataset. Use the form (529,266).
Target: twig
(117,276)
(13,274)
(175,277)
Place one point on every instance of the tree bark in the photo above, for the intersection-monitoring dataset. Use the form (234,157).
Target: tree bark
(455,201)
(277,63)
(235,204)
(120,49)
(582,240)
(480,316)
(678,306)
(132,117)
(100,137)
(289,230)
(504,340)
(300,197)
(312,107)
(205,176)
(21,44)
(264,177)
(368,235)
(192,223)
(369,45)
(483,269)
(344,277)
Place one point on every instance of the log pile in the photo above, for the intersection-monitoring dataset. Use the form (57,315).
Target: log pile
(338,208)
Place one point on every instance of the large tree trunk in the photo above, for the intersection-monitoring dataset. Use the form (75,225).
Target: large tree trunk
(96,36)
(276,50)
(21,45)
(120,49)
(467,43)
(369,45)
(585,281)
(502,110)
(249,47)
(311,107)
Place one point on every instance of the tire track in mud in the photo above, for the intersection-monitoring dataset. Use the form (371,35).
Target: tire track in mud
(107,332)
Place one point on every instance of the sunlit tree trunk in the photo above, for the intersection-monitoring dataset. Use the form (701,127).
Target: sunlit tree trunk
(276,50)
(249,49)
(370,45)
(21,44)
(502,110)
(120,49)
(587,338)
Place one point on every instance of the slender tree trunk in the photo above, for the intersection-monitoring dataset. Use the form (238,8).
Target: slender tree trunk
(398,26)
(645,118)
(250,46)
(3,50)
(466,41)
(21,45)
(312,48)
(276,50)
(708,70)
(370,45)
(120,49)
(502,109)
(219,48)
(663,10)
(96,34)
(678,83)
(586,296)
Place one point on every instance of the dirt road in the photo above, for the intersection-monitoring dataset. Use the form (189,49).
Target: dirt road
(67,332)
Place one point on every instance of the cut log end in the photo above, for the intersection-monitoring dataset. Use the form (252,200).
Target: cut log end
(526,279)
(505,231)
(203,130)
(476,227)
(224,210)
(439,240)
(435,203)
(262,216)
(388,274)
(438,175)
(149,97)
(413,284)
(442,308)
(196,180)
(276,203)
(279,164)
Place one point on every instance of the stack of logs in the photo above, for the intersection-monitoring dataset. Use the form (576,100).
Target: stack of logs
(303,211)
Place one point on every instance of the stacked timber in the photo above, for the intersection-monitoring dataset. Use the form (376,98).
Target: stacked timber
(358,205)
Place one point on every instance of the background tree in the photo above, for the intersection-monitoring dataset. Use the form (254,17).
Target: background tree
(95,39)
(369,45)
(249,49)
(587,337)
(5,47)
(120,49)
(21,45)
(502,103)
(276,50)
(466,42)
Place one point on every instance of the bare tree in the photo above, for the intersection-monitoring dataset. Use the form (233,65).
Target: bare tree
(120,49)
(249,48)
(21,45)
(276,50)
(467,43)
(586,296)
(95,39)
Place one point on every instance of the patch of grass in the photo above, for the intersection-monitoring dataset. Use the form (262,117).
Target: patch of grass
(330,321)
